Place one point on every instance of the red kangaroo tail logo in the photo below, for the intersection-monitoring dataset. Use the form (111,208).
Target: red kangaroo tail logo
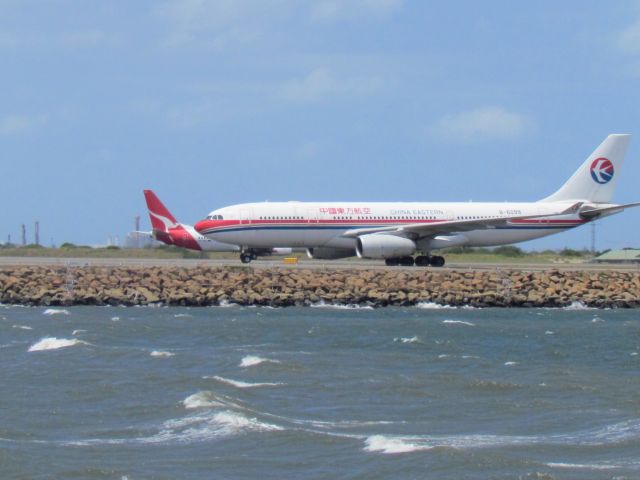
(161,218)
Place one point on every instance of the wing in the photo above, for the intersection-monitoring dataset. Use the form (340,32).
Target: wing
(443,227)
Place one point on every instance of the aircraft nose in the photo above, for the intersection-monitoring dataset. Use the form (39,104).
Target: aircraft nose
(202,225)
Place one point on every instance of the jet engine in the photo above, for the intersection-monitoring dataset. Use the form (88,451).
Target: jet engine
(329,253)
(377,245)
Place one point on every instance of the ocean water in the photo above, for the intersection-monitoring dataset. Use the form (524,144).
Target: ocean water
(234,393)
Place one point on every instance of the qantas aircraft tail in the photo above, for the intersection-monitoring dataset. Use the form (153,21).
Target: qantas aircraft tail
(595,180)
(161,218)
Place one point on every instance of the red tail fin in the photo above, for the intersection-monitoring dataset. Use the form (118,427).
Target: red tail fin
(161,218)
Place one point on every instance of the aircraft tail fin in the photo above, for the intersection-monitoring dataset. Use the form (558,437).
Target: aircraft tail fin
(595,180)
(161,218)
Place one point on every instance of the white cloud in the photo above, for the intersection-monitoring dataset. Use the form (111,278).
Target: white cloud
(49,40)
(308,150)
(321,83)
(629,38)
(482,124)
(18,124)
(220,23)
(329,10)
(81,39)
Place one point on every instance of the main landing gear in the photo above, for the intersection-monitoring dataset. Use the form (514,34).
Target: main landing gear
(420,261)
(247,256)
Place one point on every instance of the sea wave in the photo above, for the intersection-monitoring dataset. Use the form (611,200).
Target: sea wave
(208,426)
(240,384)
(56,311)
(577,305)
(161,354)
(53,343)
(22,327)
(458,322)
(204,399)
(607,435)
(339,306)
(253,360)
(227,304)
(438,306)
(414,339)
(387,444)
(584,466)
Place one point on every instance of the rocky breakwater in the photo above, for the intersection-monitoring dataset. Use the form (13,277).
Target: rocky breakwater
(296,286)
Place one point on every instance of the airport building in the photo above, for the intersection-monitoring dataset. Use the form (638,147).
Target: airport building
(627,255)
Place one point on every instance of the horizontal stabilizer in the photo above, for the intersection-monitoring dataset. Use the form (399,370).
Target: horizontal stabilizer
(590,213)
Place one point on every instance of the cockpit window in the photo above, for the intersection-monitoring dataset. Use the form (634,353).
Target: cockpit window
(214,217)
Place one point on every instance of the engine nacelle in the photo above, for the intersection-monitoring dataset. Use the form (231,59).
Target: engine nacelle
(378,245)
(329,253)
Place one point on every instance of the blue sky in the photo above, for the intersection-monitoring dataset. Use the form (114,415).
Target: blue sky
(212,103)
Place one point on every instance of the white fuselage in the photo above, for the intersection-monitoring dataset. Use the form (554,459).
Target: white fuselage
(322,224)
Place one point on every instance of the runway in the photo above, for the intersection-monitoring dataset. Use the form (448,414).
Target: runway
(276,262)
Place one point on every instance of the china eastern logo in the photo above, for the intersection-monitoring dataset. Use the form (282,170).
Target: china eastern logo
(601,170)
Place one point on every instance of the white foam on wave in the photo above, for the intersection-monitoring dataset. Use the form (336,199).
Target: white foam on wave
(391,445)
(22,327)
(606,435)
(182,315)
(414,339)
(56,311)
(338,306)
(549,332)
(253,360)
(227,304)
(431,306)
(458,322)
(510,364)
(583,466)
(53,343)
(208,426)
(240,384)
(196,427)
(78,332)
(577,305)
(438,306)
(202,400)
(162,354)
(115,319)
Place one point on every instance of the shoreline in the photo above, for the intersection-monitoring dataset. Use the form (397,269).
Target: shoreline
(282,287)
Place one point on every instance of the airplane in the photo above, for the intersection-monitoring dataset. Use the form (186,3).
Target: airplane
(395,232)
(166,229)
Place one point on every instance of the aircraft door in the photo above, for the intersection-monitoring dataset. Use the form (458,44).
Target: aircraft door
(245,216)
(312,215)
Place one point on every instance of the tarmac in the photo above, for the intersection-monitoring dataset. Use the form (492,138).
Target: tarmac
(276,262)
